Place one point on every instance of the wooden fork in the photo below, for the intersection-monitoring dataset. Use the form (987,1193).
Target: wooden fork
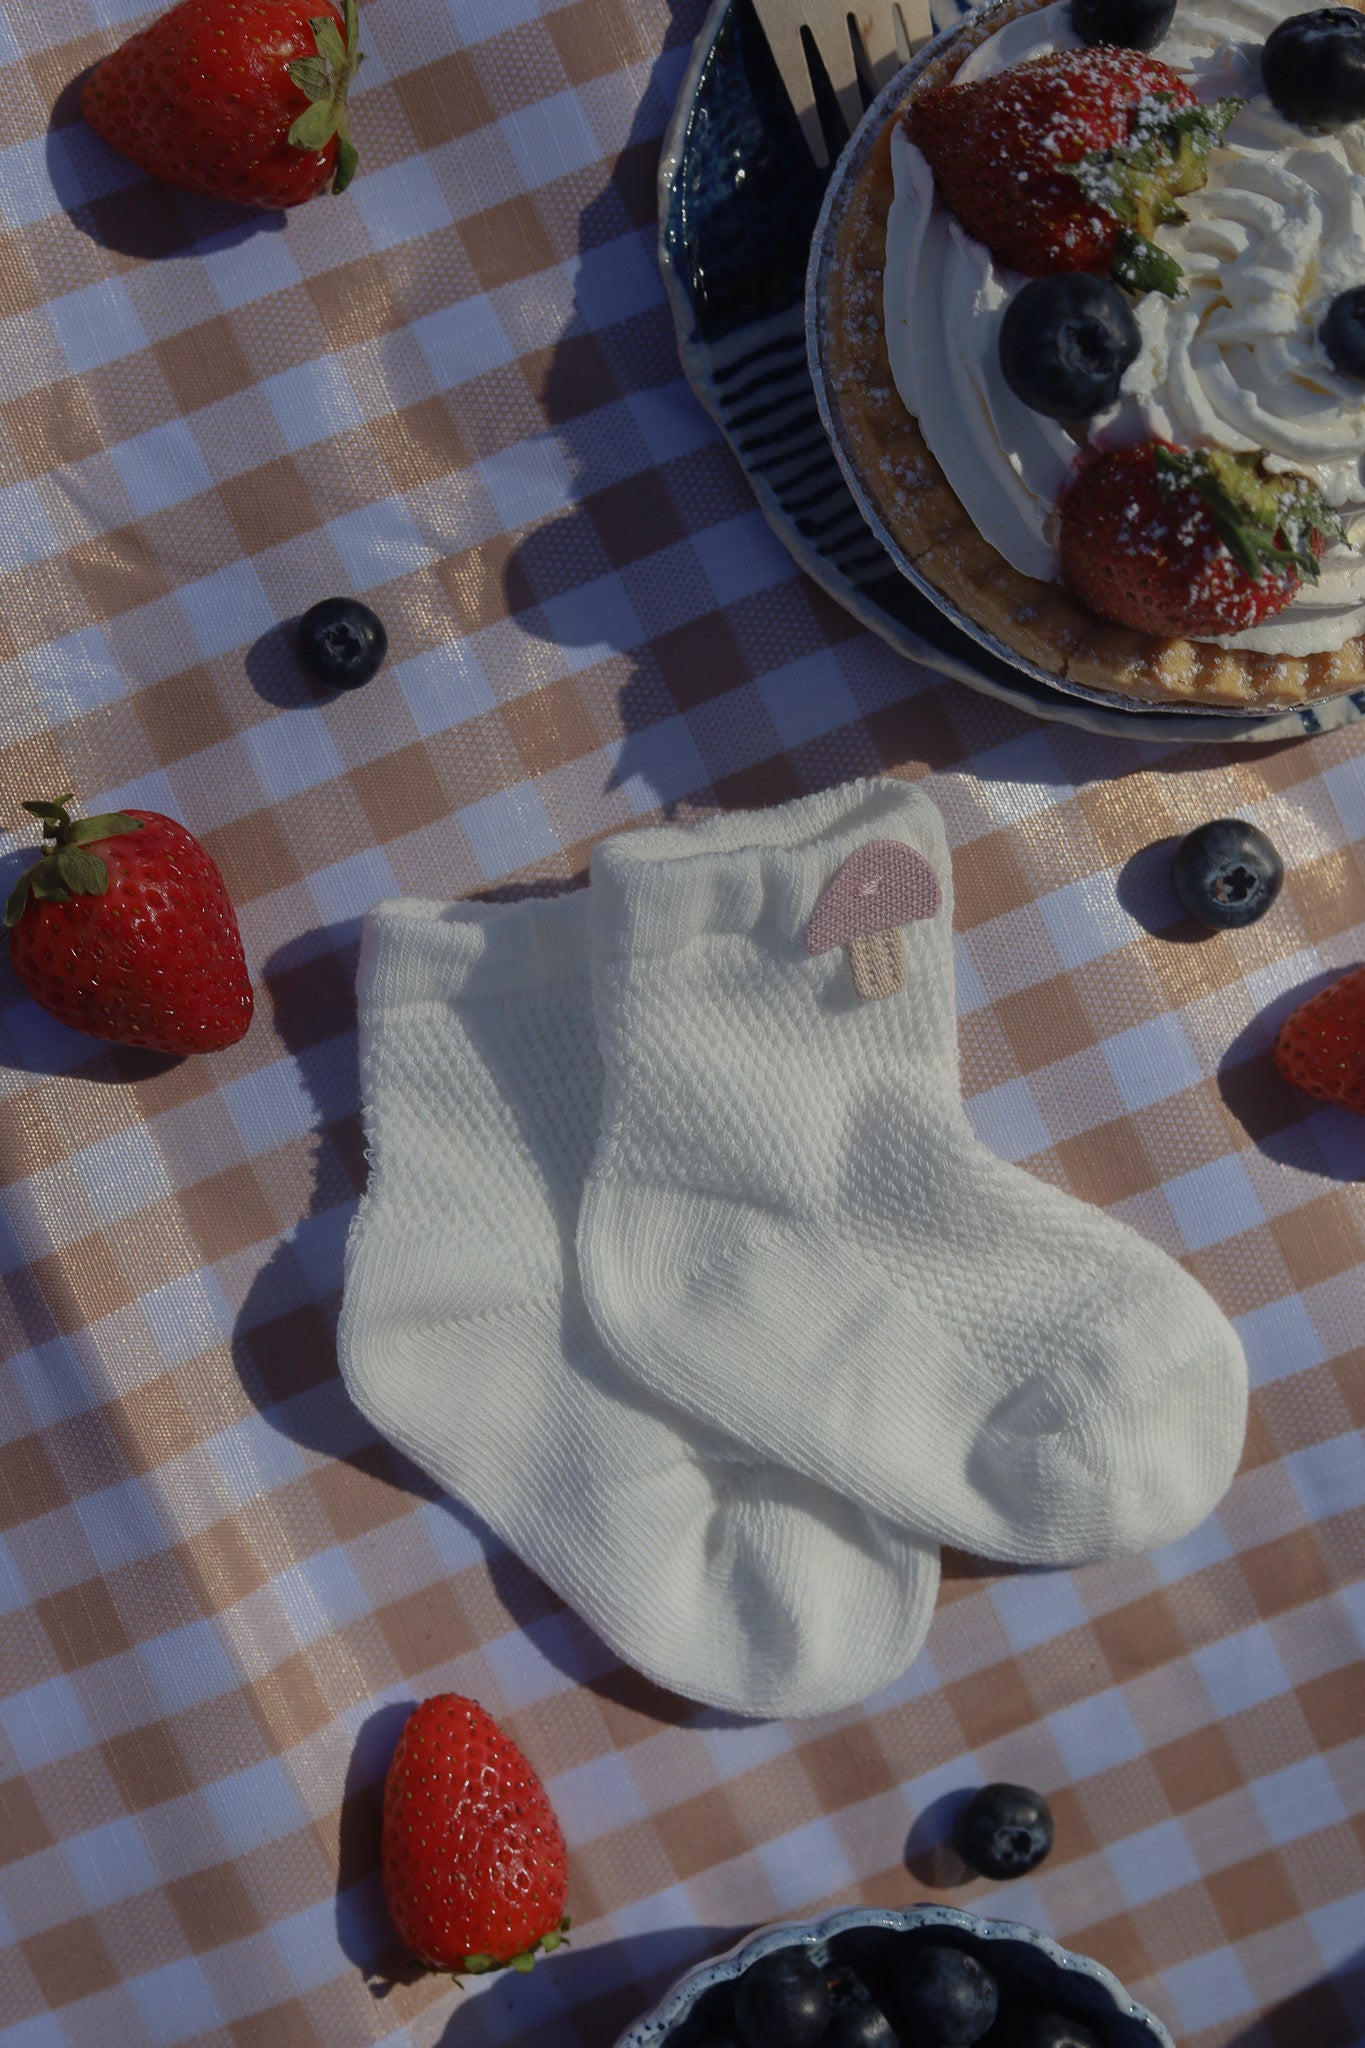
(859,48)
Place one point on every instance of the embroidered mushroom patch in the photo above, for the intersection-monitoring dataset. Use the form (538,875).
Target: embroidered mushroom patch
(881,887)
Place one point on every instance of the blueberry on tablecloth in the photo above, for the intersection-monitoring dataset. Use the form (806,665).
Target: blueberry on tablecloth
(341,643)
(1004,1831)
(1226,874)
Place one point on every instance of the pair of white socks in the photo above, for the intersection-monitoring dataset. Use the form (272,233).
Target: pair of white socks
(681,1265)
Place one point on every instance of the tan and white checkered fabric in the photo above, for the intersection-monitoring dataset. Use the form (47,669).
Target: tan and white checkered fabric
(456,391)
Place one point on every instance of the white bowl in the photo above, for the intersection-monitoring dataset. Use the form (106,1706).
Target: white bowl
(1024,1960)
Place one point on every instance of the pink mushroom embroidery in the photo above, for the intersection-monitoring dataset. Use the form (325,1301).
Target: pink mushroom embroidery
(878,889)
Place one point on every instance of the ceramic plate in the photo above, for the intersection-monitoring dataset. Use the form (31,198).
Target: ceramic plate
(1028,1966)
(739,198)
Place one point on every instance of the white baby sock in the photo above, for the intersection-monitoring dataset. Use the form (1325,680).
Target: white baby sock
(465,1339)
(790,1230)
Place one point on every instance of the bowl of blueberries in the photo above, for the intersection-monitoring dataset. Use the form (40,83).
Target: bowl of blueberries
(920,1977)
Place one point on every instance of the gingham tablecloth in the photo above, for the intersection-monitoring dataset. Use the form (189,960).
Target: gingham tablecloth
(456,391)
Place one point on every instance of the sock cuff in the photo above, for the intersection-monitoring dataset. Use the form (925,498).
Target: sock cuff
(417,951)
(752,872)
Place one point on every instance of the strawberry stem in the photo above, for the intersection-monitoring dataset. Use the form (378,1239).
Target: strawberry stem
(1266,522)
(325,80)
(65,868)
(1140,183)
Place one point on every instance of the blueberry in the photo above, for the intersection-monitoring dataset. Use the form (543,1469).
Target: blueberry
(1313,67)
(1065,342)
(341,643)
(783,2001)
(1132,24)
(860,2026)
(1004,1831)
(1226,874)
(946,1996)
(1343,334)
(1049,2030)
(858,2021)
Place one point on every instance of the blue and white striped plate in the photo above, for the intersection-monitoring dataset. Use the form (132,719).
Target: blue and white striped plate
(738,202)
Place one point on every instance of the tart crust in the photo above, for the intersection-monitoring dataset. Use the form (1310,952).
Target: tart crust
(914,499)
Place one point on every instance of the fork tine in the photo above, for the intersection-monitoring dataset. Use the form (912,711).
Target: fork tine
(878,32)
(880,27)
(827,20)
(912,25)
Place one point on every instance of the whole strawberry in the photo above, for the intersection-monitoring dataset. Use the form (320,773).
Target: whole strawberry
(473,1861)
(1321,1047)
(123,928)
(1070,161)
(1203,542)
(235,99)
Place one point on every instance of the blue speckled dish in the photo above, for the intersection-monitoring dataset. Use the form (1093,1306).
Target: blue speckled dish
(738,203)
(1027,1965)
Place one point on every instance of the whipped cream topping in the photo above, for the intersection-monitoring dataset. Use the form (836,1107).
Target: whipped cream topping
(1274,236)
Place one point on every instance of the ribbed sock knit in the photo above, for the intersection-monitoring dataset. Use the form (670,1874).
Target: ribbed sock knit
(465,1339)
(790,1230)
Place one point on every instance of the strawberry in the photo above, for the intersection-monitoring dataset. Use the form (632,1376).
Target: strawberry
(1321,1047)
(1069,162)
(472,1858)
(123,928)
(235,99)
(1188,541)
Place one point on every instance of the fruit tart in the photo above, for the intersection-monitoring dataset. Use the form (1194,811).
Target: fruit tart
(1087,316)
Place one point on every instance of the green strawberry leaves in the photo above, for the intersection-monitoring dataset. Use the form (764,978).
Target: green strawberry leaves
(1138,265)
(325,81)
(311,75)
(1266,522)
(64,868)
(315,129)
(53,813)
(327,36)
(1141,182)
(557,1937)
